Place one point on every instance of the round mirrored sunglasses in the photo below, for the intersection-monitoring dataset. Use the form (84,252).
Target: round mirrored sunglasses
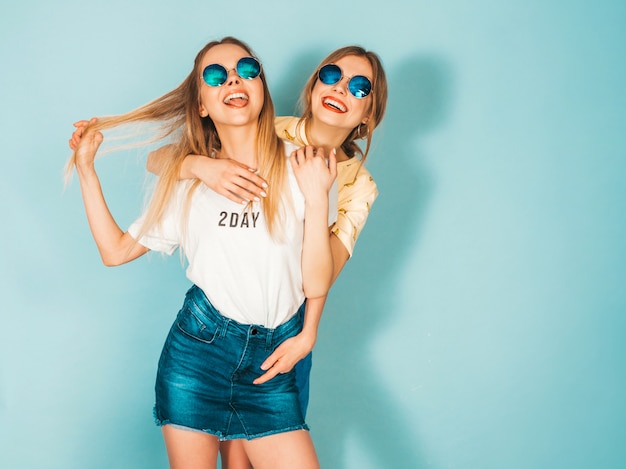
(358,85)
(247,68)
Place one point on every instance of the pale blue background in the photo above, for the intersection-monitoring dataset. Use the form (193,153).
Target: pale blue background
(481,323)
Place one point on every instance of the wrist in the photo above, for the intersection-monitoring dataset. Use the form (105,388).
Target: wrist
(85,169)
(317,201)
(190,166)
(308,338)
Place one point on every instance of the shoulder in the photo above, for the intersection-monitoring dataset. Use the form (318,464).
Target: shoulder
(287,128)
(289,147)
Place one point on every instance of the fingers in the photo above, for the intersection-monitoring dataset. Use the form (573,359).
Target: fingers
(270,370)
(241,191)
(237,194)
(319,153)
(283,359)
(76,136)
(273,366)
(271,360)
(277,367)
(300,155)
(81,126)
(252,184)
(86,150)
(307,154)
(92,139)
(257,180)
(269,374)
(84,123)
(232,196)
(311,152)
(245,186)
(264,378)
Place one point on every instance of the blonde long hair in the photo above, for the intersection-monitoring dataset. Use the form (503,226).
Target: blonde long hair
(378,101)
(178,114)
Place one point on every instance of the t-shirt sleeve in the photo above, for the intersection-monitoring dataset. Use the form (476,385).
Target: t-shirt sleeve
(354,203)
(165,236)
(156,239)
(333,204)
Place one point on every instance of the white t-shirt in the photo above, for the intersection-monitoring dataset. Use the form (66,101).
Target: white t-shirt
(247,275)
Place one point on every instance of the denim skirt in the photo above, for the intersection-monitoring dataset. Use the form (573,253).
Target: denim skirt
(205,374)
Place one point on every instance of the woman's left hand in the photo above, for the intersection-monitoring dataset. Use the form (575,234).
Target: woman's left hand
(285,357)
(314,173)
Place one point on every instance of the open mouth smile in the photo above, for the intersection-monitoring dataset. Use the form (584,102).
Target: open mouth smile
(236,99)
(334,105)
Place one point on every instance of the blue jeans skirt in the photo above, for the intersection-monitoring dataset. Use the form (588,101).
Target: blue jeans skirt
(206,369)
(303,381)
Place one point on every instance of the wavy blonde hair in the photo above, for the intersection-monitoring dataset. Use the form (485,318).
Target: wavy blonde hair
(178,114)
(378,101)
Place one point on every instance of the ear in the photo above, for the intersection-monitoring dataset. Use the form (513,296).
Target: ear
(202,110)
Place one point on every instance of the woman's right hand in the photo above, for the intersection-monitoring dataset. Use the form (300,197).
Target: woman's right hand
(229,178)
(86,149)
(81,126)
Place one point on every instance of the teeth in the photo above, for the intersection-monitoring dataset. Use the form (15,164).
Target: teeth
(234,96)
(335,104)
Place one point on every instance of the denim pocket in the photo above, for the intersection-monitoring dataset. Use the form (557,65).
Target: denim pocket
(196,325)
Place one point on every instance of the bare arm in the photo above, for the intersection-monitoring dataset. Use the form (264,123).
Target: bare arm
(292,350)
(340,256)
(115,246)
(228,178)
(322,261)
(315,177)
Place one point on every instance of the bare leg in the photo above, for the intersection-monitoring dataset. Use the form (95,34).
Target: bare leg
(287,450)
(190,450)
(234,455)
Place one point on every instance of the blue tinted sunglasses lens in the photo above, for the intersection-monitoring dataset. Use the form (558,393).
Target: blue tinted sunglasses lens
(215,75)
(247,68)
(359,86)
(330,74)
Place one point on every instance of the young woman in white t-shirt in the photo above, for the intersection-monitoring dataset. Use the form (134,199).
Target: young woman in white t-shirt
(238,311)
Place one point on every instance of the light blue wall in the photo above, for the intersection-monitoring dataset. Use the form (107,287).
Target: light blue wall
(481,323)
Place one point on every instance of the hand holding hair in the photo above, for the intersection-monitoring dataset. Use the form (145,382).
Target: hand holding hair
(85,152)
(81,126)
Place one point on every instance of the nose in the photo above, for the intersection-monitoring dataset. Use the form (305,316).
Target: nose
(342,85)
(233,78)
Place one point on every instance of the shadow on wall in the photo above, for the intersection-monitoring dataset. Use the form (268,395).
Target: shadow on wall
(351,405)
(286,94)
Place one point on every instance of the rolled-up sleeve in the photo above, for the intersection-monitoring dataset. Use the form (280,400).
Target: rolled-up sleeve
(356,197)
